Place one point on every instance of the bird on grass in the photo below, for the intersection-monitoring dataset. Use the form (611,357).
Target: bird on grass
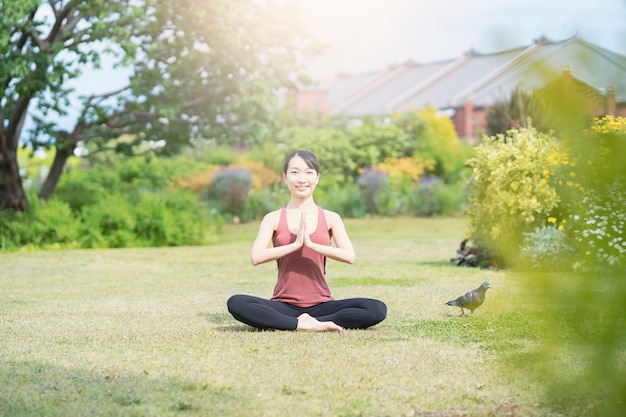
(472,299)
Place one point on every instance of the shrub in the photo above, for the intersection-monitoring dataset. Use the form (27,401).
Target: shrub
(47,224)
(511,192)
(347,199)
(593,188)
(230,189)
(432,196)
(109,223)
(188,220)
(434,138)
(374,188)
(199,182)
(262,176)
(403,173)
(167,218)
(262,201)
(131,202)
(170,218)
(548,249)
(344,152)
(599,231)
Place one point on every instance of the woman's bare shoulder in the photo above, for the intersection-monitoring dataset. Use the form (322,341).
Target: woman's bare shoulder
(272,217)
(332,217)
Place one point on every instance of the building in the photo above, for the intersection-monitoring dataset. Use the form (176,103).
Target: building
(466,86)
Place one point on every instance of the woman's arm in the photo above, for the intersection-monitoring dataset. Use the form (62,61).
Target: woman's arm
(261,250)
(343,250)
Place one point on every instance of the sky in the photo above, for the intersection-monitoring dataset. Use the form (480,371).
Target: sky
(369,35)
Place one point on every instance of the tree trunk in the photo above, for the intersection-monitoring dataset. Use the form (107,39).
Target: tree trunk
(12,196)
(60,158)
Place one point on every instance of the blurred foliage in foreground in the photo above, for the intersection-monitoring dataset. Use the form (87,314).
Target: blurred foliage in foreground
(553,206)
(586,337)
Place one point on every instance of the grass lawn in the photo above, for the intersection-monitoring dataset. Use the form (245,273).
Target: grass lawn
(145,332)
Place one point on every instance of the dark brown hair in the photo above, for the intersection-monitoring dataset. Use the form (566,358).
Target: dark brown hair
(309,159)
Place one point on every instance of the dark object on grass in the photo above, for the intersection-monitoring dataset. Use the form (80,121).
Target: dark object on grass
(475,256)
(471,300)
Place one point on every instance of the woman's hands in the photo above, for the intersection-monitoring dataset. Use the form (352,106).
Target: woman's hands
(343,250)
(302,237)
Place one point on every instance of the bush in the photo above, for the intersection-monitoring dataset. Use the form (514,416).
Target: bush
(171,218)
(432,196)
(167,218)
(548,249)
(109,223)
(592,184)
(347,200)
(434,138)
(262,201)
(47,224)
(344,152)
(511,192)
(230,189)
(374,188)
(599,231)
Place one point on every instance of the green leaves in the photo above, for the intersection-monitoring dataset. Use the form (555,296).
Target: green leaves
(511,193)
(206,69)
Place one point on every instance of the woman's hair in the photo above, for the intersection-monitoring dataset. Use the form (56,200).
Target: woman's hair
(309,158)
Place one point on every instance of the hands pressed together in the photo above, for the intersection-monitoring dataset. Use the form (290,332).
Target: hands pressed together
(302,237)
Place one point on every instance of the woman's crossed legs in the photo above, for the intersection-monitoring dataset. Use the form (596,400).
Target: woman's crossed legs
(350,313)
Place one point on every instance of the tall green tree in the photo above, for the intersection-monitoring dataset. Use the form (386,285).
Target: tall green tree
(198,69)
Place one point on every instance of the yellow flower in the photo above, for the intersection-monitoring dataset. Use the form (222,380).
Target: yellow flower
(561,227)
(551,219)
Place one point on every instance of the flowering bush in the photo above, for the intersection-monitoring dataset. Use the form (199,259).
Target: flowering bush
(431,196)
(593,190)
(600,228)
(548,248)
(404,173)
(230,189)
(374,187)
(588,175)
(262,176)
(511,193)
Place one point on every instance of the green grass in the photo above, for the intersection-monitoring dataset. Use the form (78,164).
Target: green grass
(145,332)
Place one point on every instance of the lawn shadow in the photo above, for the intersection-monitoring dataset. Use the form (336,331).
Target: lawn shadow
(238,328)
(226,323)
(437,263)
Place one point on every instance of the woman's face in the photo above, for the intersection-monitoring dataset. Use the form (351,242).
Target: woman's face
(300,178)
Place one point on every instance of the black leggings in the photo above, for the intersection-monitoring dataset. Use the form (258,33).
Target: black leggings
(351,313)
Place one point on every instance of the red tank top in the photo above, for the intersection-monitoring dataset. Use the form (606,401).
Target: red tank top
(301,274)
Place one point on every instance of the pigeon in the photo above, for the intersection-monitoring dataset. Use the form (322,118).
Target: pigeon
(471,300)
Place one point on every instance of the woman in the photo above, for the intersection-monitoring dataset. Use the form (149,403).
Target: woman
(301,233)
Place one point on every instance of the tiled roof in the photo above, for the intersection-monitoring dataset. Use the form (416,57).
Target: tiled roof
(376,99)
(594,66)
(439,93)
(481,78)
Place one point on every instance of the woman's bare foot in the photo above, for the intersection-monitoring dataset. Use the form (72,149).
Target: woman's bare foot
(308,323)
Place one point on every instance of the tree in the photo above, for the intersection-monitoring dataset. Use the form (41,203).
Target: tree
(514,112)
(199,69)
